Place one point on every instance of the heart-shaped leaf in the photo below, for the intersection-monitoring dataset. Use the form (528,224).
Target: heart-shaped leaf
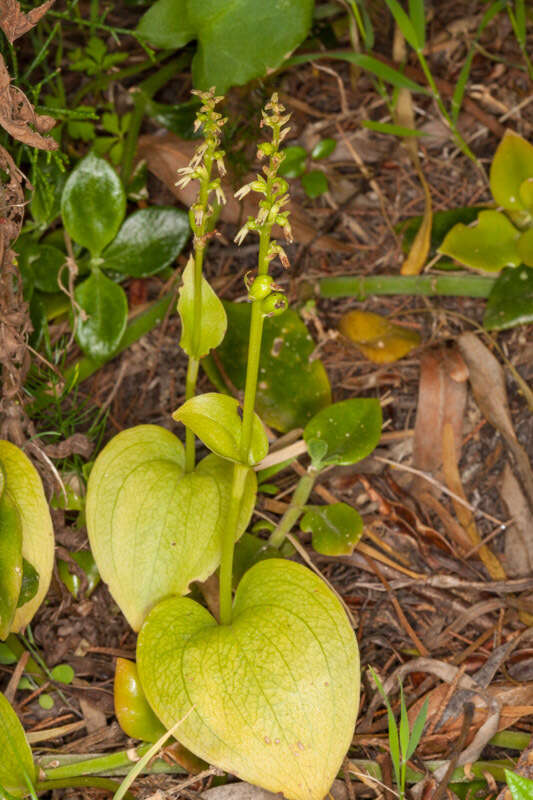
(335,529)
(351,429)
(106,307)
(16,764)
(271,698)
(93,204)
(510,302)
(43,261)
(10,562)
(490,245)
(154,529)
(292,386)
(217,420)
(132,711)
(380,340)
(511,166)
(213,323)
(24,489)
(148,241)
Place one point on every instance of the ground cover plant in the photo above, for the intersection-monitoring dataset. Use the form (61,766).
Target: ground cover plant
(265,364)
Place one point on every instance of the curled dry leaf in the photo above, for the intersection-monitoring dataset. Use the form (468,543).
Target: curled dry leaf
(14,22)
(78,444)
(518,539)
(164,155)
(18,116)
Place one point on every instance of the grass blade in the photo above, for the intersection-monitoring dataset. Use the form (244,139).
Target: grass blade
(404,24)
(418,19)
(391,128)
(418,729)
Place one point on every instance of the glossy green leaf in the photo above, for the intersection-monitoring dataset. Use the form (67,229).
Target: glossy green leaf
(62,673)
(132,711)
(217,420)
(293,165)
(335,529)
(10,562)
(323,149)
(24,488)
(351,430)
(148,241)
(271,698)
(442,223)
(525,247)
(521,787)
(314,183)
(178,118)
(511,166)
(291,387)
(29,585)
(85,561)
(526,193)
(510,302)
(70,579)
(48,179)
(154,529)
(93,204)
(490,245)
(236,41)
(166,24)
(106,306)
(249,550)
(43,261)
(16,764)
(213,321)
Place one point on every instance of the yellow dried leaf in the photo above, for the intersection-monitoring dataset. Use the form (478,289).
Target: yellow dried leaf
(378,339)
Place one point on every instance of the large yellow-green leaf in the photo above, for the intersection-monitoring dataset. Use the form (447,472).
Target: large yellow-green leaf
(16,762)
(24,488)
(10,563)
(490,245)
(213,322)
(511,166)
(271,698)
(153,529)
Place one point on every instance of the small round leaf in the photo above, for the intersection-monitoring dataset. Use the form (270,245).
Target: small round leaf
(323,149)
(314,183)
(93,204)
(335,529)
(351,430)
(106,307)
(293,165)
(62,673)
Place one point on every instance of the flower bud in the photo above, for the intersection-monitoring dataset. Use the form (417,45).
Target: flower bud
(274,305)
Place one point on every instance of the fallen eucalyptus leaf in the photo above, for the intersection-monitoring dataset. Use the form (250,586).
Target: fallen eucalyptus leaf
(291,386)
(335,529)
(213,317)
(351,429)
(510,302)
(272,697)
(518,539)
(16,764)
(380,340)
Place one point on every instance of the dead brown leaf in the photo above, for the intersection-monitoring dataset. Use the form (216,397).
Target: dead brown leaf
(18,116)
(165,155)
(14,22)
(77,443)
(518,538)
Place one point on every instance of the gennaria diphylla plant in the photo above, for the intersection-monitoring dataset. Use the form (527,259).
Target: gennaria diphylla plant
(269,691)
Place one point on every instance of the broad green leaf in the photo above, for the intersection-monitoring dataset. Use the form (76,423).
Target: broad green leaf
(93,204)
(179,118)
(132,711)
(314,183)
(48,179)
(377,338)
(351,430)
(489,246)
(271,698)
(16,764)
(10,562)
(323,149)
(511,166)
(525,247)
(510,302)
(148,241)
(335,529)
(106,307)
(521,788)
(213,322)
(29,585)
(166,24)
(217,420)
(293,165)
(442,223)
(291,387)
(24,488)
(249,550)
(154,529)
(242,40)
(43,261)
(526,193)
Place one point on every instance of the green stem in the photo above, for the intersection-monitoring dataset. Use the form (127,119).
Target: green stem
(295,509)
(96,783)
(427,285)
(92,766)
(240,473)
(190,388)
